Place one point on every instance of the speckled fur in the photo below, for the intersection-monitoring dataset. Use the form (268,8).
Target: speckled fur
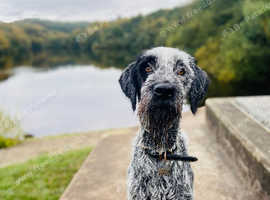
(159,126)
(145,183)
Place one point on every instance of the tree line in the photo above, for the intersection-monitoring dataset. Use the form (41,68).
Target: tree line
(229,38)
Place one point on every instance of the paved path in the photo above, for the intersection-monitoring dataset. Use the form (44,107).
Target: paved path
(103,174)
(214,177)
(56,144)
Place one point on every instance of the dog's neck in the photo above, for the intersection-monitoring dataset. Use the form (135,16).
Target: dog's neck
(162,141)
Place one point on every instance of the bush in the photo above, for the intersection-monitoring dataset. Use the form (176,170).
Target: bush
(8,142)
(10,131)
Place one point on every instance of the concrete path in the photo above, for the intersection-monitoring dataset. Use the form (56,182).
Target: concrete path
(214,177)
(103,174)
(53,145)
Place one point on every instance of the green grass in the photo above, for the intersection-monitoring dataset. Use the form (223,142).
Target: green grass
(43,178)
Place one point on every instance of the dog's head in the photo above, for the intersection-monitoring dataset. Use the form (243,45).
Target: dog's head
(159,80)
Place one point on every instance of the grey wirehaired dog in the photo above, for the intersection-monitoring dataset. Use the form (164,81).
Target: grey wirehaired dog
(159,80)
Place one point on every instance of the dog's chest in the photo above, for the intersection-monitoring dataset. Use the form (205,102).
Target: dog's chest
(175,184)
(154,179)
(161,179)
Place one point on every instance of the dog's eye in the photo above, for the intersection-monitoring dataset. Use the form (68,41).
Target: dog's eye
(148,69)
(181,72)
(180,64)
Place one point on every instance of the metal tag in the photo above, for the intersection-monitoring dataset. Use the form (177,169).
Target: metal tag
(164,168)
(164,171)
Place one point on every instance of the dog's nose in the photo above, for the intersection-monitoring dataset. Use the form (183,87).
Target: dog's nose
(164,90)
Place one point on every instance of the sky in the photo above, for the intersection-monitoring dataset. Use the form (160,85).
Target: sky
(80,10)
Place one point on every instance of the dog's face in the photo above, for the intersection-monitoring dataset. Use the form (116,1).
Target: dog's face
(159,80)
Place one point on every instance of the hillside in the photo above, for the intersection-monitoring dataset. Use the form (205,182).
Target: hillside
(38,42)
(229,38)
(67,27)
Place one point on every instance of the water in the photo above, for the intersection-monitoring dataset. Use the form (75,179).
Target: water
(66,100)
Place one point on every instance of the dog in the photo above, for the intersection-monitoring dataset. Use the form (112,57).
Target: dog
(157,84)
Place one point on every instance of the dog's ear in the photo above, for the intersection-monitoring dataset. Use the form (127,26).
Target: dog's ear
(128,83)
(199,87)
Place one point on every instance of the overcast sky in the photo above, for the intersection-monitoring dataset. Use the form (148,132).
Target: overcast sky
(80,10)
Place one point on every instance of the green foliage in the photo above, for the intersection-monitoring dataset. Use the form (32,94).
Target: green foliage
(8,142)
(42,178)
(10,131)
(230,39)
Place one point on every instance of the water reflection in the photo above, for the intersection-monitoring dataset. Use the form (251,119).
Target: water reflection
(66,99)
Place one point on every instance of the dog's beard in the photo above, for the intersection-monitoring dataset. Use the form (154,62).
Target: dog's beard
(160,121)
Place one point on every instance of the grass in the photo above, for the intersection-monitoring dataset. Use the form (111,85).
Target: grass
(43,178)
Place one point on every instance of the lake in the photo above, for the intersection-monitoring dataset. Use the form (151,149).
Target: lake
(67,99)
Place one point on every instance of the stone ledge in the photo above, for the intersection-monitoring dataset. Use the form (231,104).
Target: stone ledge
(245,141)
